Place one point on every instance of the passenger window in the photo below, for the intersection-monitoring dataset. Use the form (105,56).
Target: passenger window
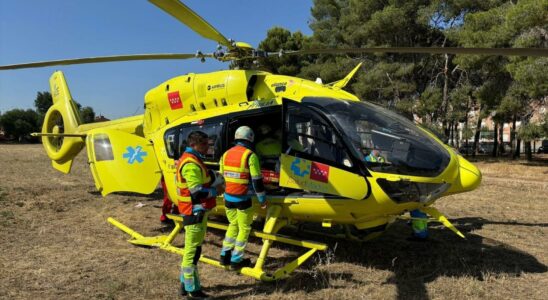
(176,140)
(307,132)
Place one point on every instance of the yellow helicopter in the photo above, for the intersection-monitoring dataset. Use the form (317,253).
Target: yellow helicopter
(322,174)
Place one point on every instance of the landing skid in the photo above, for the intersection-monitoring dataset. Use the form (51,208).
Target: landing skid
(269,235)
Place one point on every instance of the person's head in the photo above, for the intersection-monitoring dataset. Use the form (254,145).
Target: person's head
(244,133)
(198,141)
(264,129)
(375,152)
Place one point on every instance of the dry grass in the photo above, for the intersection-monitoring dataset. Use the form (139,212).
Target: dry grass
(56,243)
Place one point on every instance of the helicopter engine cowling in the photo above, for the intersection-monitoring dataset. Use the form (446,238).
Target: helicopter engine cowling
(61,118)
(191,93)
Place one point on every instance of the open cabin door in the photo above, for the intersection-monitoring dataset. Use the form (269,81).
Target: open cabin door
(122,162)
(315,157)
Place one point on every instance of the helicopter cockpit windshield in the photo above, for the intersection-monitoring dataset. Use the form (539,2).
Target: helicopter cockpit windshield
(385,141)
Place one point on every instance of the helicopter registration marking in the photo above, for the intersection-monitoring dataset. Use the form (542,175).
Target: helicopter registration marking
(174,100)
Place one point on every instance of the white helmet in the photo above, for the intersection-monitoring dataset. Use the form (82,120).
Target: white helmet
(244,133)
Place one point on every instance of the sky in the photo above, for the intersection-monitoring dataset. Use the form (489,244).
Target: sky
(36,30)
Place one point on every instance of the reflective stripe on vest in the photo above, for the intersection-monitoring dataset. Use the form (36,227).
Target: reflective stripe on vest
(183,192)
(236,170)
(372,158)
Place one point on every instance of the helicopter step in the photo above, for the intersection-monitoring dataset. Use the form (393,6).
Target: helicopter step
(269,236)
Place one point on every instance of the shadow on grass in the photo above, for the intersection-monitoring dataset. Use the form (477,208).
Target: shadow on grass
(157,194)
(413,263)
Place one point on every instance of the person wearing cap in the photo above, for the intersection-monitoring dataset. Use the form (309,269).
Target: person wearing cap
(195,197)
(241,169)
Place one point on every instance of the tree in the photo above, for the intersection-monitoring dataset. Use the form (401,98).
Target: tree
(43,102)
(529,132)
(282,39)
(393,80)
(87,114)
(19,123)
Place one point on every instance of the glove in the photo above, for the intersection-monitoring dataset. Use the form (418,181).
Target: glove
(216,178)
(197,207)
(212,193)
(198,211)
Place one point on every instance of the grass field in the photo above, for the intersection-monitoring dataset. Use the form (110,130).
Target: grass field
(56,243)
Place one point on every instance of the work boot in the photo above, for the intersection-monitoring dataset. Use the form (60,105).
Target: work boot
(197,295)
(183,292)
(246,262)
(225,259)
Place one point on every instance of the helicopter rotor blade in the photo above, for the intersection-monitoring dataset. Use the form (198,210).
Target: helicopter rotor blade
(101,59)
(191,19)
(425,50)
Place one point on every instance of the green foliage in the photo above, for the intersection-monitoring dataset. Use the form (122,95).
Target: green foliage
(43,102)
(437,88)
(87,114)
(436,130)
(430,102)
(19,123)
(530,132)
(467,133)
(277,39)
(544,126)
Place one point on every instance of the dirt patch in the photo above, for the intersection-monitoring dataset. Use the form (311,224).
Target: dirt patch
(56,243)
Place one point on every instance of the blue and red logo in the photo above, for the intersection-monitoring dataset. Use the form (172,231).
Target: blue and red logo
(316,171)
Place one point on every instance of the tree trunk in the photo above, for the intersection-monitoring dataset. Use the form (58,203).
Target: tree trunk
(518,150)
(468,108)
(477,134)
(528,152)
(513,137)
(451,134)
(457,135)
(501,136)
(495,139)
(445,102)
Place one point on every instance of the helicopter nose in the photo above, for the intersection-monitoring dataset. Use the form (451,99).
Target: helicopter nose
(469,175)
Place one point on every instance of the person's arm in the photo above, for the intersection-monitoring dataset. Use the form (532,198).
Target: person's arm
(192,173)
(257,178)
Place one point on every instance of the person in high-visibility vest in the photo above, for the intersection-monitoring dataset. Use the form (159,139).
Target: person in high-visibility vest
(375,156)
(195,197)
(270,145)
(242,174)
(419,224)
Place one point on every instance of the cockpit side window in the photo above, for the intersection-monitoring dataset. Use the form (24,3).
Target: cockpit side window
(309,133)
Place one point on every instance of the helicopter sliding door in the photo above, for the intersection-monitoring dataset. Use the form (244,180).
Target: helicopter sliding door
(122,162)
(315,157)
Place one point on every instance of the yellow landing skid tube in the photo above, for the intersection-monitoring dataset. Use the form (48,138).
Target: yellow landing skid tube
(272,225)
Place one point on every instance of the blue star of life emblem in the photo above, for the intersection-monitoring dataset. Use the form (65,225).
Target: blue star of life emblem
(135,154)
(300,169)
